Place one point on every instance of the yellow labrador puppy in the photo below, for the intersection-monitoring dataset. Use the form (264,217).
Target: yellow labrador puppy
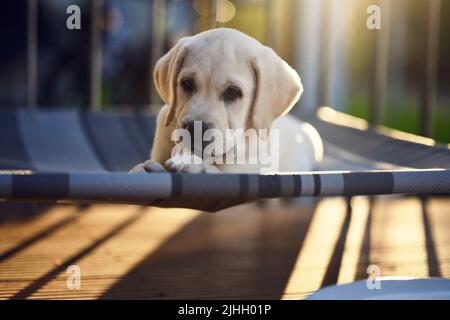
(220,84)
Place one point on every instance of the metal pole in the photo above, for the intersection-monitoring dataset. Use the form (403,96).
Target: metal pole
(271,24)
(206,18)
(32,53)
(380,65)
(325,55)
(213,14)
(157,41)
(430,68)
(96,56)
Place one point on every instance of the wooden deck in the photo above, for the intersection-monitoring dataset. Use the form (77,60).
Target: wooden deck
(263,252)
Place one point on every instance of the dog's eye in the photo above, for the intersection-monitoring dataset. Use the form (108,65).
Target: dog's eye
(231,94)
(188,85)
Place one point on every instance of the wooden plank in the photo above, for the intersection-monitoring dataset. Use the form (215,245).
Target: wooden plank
(313,258)
(33,262)
(266,252)
(104,266)
(354,240)
(397,244)
(242,252)
(16,232)
(439,216)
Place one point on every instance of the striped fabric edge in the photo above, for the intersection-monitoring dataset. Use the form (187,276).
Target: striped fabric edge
(212,192)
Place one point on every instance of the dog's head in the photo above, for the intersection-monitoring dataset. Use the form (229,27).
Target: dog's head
(226,80)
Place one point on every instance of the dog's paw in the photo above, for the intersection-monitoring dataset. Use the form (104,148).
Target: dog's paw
(147,167)
(189,164)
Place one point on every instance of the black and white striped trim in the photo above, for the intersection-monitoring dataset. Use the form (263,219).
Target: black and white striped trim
(216,191)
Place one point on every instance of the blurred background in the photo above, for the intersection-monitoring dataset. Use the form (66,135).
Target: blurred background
(398,76)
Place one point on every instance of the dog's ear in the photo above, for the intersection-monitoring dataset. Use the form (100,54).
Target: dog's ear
(165,76)
(277,88)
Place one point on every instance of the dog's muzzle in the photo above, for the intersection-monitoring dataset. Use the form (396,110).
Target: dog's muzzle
(197,129)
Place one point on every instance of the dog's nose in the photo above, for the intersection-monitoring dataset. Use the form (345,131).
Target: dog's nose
(201,127)
(197,129)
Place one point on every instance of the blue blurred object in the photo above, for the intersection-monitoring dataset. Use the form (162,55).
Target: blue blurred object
(395,288)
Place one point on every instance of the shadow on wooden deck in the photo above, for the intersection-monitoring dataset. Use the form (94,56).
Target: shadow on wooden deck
(227,255)
(244,252)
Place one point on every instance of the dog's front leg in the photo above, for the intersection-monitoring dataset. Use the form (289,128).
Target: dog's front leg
(148,166)
(188,163)
(162,146)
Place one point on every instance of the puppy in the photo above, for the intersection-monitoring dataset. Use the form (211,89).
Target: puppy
(222,81)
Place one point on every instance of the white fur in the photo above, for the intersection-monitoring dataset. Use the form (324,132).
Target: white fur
(214,60)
